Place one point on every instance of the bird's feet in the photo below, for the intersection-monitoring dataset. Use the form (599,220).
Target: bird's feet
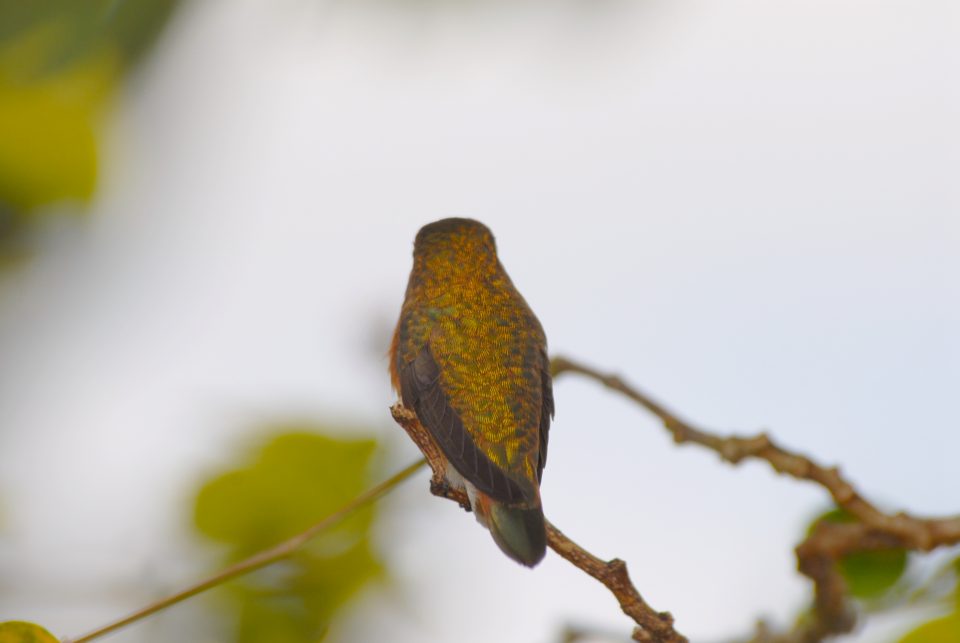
(444,490)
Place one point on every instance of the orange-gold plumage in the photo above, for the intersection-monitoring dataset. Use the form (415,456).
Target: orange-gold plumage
(470,358)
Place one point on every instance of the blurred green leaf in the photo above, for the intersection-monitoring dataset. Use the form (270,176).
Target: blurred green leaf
(956,580)
(83,29)
(941,630)
(868,574)
(48,148)
(60,62)
(293,481)
(23,632)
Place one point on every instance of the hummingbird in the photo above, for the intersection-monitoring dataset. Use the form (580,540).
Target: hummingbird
(469,357)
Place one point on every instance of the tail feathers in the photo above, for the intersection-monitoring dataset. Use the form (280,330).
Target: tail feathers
(519,531)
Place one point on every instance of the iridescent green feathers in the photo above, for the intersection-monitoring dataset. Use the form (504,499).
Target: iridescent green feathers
(469,357)
(422,390)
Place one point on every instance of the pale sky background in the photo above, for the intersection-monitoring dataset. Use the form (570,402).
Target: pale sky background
(749,208)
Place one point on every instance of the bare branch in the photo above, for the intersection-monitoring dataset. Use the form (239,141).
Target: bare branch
(829,542)
(915,533)
(431,452)
(652,626)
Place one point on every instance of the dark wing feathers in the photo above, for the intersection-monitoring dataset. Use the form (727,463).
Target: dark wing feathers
(422,391)
(546,411)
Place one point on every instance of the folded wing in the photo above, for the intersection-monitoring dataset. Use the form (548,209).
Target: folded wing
(422,390)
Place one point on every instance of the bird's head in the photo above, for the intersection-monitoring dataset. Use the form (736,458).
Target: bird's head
(455,245)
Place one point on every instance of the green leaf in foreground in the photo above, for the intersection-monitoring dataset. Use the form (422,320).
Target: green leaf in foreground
(23,632)
(279,490)
(61,63)
(868,574)
(956,580)
(941,630)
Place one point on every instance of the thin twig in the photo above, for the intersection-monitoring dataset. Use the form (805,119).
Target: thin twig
(261,559)
(818,554)
(652,626)
(917,533)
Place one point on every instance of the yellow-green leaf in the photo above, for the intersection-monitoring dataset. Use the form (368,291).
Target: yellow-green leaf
(60,62)
(941,630)
(295,479)
(48,149)
(23,632)
(871,573)
(868,574)
(956,581)
(290,483)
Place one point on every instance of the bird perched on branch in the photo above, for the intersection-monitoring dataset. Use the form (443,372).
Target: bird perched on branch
(469,357)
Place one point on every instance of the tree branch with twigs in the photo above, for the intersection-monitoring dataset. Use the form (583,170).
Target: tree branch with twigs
(818,555)
(651,624)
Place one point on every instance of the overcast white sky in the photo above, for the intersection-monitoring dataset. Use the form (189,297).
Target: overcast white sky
(749,208)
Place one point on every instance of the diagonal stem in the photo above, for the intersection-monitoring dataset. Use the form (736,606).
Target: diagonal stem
(261,559)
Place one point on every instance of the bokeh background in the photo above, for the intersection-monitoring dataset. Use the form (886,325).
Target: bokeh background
(750,209)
